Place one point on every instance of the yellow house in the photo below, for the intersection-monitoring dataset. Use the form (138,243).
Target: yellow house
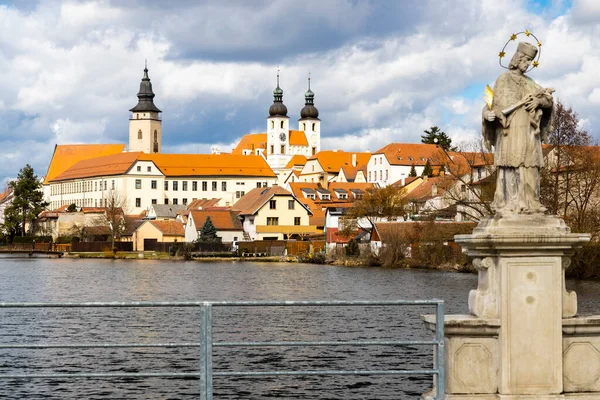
(148,234)
(273,213)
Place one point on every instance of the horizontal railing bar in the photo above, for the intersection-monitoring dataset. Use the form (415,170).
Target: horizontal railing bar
(329,372)
(93,346)
(326,343)
(231,373)
(104,375)
(221,344)
(225,303)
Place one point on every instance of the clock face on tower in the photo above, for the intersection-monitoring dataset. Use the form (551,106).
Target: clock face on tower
(313,140)
(282,136)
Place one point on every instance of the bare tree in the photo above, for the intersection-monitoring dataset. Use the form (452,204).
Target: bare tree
(113,217)
(582,190)
(378,204)
(468,179)
(556,177)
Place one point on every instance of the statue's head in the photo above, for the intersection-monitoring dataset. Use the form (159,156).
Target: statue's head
(525,53)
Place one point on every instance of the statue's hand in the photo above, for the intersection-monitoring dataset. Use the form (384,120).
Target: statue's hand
(490,116)
(532,104)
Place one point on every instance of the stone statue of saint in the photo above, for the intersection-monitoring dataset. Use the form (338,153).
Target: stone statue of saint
(516,124)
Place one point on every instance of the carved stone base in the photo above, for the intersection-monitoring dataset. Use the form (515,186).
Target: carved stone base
(512,345)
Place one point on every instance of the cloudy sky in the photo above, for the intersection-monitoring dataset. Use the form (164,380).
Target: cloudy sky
(382,71)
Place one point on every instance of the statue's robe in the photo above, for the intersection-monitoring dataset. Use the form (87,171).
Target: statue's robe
(517,139)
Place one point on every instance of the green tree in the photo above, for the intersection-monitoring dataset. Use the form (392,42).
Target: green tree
(72,208)
(427,171)
(28,201)
(413,171)
(208,233)
(352,248)
(434,135)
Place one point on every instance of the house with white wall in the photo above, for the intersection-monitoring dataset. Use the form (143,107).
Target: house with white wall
(226,222)
(275,214)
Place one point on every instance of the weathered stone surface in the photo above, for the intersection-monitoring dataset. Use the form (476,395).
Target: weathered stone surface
(471,365)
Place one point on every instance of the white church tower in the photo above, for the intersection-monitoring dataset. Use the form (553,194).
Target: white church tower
(278,125)
(145,125)
(310,123)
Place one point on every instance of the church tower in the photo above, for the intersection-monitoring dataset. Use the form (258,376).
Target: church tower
(278,125)
(145,125)
(310,123)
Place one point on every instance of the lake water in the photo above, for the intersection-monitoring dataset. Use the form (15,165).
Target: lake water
(58,280)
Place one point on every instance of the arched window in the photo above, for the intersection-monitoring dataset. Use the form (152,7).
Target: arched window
(137,116)
(314,126)
(282,124)
(155,136)
(140,134)
(272,124)
(304,126)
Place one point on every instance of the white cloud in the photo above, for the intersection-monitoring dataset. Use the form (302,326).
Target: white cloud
(70,73)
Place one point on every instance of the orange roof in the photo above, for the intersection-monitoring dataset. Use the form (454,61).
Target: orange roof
(169,228)
(201,204)
(298,138)
(115,164)
(251,141)
(223,220)
(425,189)
(210,165)
(65,156)
(350,172)
(333,161)
(318,206)
(296,160)
(253,201)
(413,154)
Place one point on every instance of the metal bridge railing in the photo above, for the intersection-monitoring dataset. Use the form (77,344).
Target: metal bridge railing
(206,344)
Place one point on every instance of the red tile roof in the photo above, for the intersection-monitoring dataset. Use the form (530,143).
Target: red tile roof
(169,228)
(210,165)
(253,201)
(413,154)
(223,220)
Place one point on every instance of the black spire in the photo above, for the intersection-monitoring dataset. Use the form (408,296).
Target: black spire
(309,111)
(278,108)
(145,95)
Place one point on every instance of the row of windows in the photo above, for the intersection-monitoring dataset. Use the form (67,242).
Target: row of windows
(79,203)
(275,221)
(204,185)
(81,187)
(374,178)
(282,125)
(273,204)
(148,168)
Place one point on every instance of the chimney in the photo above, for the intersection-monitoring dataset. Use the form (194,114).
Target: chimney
(434,190)
(354,160)
(425,178)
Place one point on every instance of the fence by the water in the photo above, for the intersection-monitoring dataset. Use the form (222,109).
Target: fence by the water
(206,344)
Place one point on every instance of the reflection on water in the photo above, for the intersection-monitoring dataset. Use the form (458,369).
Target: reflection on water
(107,280)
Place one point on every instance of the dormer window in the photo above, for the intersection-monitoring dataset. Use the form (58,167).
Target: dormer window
(410,158)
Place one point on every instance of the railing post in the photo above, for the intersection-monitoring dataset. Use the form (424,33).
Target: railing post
(439,337)
(206,390)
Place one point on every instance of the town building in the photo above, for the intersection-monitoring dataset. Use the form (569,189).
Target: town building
(273,213)
(95,175)
(393,163)
(279,144)
(226,222)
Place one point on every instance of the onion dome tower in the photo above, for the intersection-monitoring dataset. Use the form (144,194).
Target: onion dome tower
(309,122)
(278,125)
(145,125)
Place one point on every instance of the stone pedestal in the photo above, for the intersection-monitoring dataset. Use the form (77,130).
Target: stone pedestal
(512,344)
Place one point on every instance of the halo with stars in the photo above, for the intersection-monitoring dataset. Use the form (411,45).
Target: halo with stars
(513,37)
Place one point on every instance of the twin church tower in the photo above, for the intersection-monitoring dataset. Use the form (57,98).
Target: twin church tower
(145,127)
